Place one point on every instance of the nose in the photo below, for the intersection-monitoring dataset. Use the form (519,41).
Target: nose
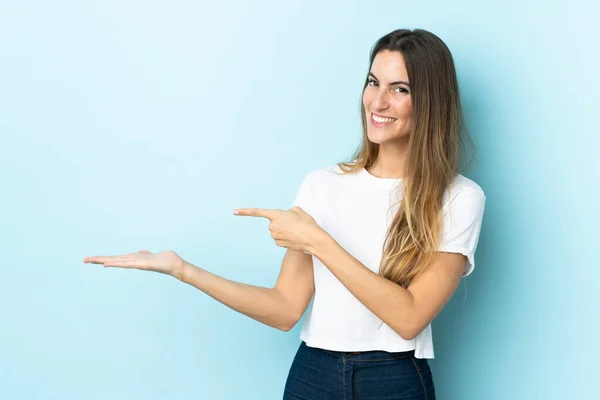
(380,101)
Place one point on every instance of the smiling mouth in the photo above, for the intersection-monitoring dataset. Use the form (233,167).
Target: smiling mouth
(381,121)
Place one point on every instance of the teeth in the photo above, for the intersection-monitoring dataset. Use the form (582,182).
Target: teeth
(377,119)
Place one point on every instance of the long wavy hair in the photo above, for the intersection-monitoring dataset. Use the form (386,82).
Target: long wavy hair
(437,138)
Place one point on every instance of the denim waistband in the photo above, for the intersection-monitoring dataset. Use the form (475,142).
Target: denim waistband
(369,355)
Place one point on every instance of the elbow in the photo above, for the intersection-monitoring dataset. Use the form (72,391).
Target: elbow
(285,328)
(288,323)
(408,332)
(409,327)
(408,335)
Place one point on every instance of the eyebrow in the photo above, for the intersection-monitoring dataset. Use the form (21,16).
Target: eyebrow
(392,83)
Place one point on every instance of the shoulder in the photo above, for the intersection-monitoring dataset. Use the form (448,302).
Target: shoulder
(463,186)
(463,189)
(323,173)
(463,197)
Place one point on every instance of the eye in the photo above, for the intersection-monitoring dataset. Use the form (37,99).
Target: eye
(369,81)
(402,90)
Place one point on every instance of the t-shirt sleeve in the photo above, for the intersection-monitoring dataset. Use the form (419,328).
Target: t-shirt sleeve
(461,226)
(305,198)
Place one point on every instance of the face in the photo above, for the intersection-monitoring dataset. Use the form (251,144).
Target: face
(387,99)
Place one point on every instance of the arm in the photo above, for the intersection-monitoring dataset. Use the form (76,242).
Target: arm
(407,311)
(280,307)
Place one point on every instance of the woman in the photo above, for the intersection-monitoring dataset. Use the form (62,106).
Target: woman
(381,241)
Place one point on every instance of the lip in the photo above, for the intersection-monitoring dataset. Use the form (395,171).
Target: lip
(381,115)
(380,124)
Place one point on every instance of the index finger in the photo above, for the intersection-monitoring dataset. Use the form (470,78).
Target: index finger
(256,212)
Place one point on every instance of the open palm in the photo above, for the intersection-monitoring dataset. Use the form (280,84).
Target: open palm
(166,262)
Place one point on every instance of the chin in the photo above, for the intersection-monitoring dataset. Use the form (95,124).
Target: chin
(379,137)
(372,139)
(385,139)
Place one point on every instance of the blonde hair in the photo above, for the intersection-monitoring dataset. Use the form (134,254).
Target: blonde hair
(437,136)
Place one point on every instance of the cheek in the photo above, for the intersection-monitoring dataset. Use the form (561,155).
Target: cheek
(366,98)
(404,109)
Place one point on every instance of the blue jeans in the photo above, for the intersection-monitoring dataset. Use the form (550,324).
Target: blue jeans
(318,374)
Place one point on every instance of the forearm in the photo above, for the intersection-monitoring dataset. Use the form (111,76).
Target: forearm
(265,305)
(389,301)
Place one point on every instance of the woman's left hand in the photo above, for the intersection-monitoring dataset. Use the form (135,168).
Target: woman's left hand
(293,229)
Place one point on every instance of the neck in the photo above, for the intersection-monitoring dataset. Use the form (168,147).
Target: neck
(390,162)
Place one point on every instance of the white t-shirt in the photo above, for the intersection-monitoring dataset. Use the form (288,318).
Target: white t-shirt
(356,210)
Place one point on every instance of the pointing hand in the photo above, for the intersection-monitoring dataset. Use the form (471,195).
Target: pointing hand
(294,228)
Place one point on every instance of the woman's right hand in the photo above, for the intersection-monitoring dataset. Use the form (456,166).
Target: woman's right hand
(166,262)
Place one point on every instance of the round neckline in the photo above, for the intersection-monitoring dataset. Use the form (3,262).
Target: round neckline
(384,184)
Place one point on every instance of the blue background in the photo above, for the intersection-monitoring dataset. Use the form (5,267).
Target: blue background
(128,125)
